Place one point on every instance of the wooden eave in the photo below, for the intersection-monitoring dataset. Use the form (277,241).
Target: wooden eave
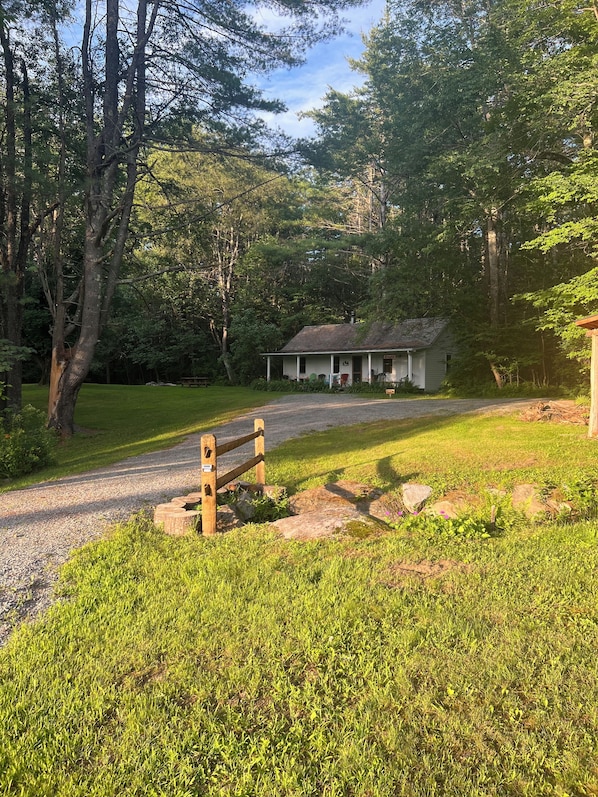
(589,323)
(341,353)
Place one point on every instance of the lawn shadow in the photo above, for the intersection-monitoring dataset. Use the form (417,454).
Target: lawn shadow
(391,476)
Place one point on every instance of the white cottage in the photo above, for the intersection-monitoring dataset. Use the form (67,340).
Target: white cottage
(418,350)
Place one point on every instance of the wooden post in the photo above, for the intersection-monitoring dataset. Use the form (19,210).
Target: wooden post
(593,428)
(208,484)
(260,450)
(590,324)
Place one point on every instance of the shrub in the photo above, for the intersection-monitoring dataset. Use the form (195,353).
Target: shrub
(321,386)
(289,386)
(404,386)
(274,385)
(25,443)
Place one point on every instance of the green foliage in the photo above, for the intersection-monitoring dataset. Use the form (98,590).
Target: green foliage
(428,660)
(561,305)
(290,386)
(405,386)
(475,454)
(321,386)
(9,354)
(476,389)
(441,527)
(473,139)
(580,497)
(26,445)
(251,336)
(268,509)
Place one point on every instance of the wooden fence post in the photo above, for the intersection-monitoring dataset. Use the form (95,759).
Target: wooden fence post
(208,484)
(260,450)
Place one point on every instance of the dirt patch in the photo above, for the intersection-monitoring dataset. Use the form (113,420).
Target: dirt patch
(557,412)
(403,571)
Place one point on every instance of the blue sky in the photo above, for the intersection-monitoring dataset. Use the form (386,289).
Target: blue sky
(303,88)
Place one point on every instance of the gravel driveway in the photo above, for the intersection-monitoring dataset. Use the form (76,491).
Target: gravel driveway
(40,525)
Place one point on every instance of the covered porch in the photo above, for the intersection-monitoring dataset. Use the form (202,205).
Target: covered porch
(349,368)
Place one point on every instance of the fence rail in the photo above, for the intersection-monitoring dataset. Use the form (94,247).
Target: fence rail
(211,482)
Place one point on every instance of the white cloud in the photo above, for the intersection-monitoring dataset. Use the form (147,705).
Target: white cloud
(303,88)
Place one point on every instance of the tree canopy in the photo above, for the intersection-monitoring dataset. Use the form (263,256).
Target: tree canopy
(143,201)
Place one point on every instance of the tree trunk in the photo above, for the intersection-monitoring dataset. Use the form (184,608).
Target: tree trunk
(107,212)
(15,217)
(498,377)
(493,264)
(70,370)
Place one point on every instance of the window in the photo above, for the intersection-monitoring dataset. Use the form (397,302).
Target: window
(302,365)
(387,365)
(336,364)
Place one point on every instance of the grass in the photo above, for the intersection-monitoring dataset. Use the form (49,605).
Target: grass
(117,421)
(246,665)
(468,452)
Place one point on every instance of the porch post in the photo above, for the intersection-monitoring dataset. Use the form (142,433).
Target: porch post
(268,368)
(331,370)
(410,366)
(370,367)
(298,358)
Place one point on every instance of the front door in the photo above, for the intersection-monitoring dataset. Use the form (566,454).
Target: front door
(357,369)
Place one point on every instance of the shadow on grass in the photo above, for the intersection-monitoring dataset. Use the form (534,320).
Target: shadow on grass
(390,475)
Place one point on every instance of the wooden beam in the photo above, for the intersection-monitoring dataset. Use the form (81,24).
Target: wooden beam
(593,427)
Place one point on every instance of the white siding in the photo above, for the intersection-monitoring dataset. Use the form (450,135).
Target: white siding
(436,358)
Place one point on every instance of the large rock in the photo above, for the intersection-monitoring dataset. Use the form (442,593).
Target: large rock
(453,504)
(388,507)
(527,498)
(324,522)
(342,493)
(226,519)
(415,496)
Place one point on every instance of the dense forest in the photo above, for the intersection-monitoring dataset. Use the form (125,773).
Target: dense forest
(153,227)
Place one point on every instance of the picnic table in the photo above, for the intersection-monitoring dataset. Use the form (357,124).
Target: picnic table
(195,381)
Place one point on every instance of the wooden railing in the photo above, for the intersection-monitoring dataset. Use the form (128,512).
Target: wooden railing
(211,482)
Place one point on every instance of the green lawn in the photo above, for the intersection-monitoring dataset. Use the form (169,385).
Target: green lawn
(246,665)
(117,421)
(465,452)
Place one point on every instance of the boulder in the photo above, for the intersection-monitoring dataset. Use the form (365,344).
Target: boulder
(244,508)
(415,496)
(527,498)
(227,520)
(324,522)
(342,493)
(445,508)
(454,504)
(274,492)
(387,508)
